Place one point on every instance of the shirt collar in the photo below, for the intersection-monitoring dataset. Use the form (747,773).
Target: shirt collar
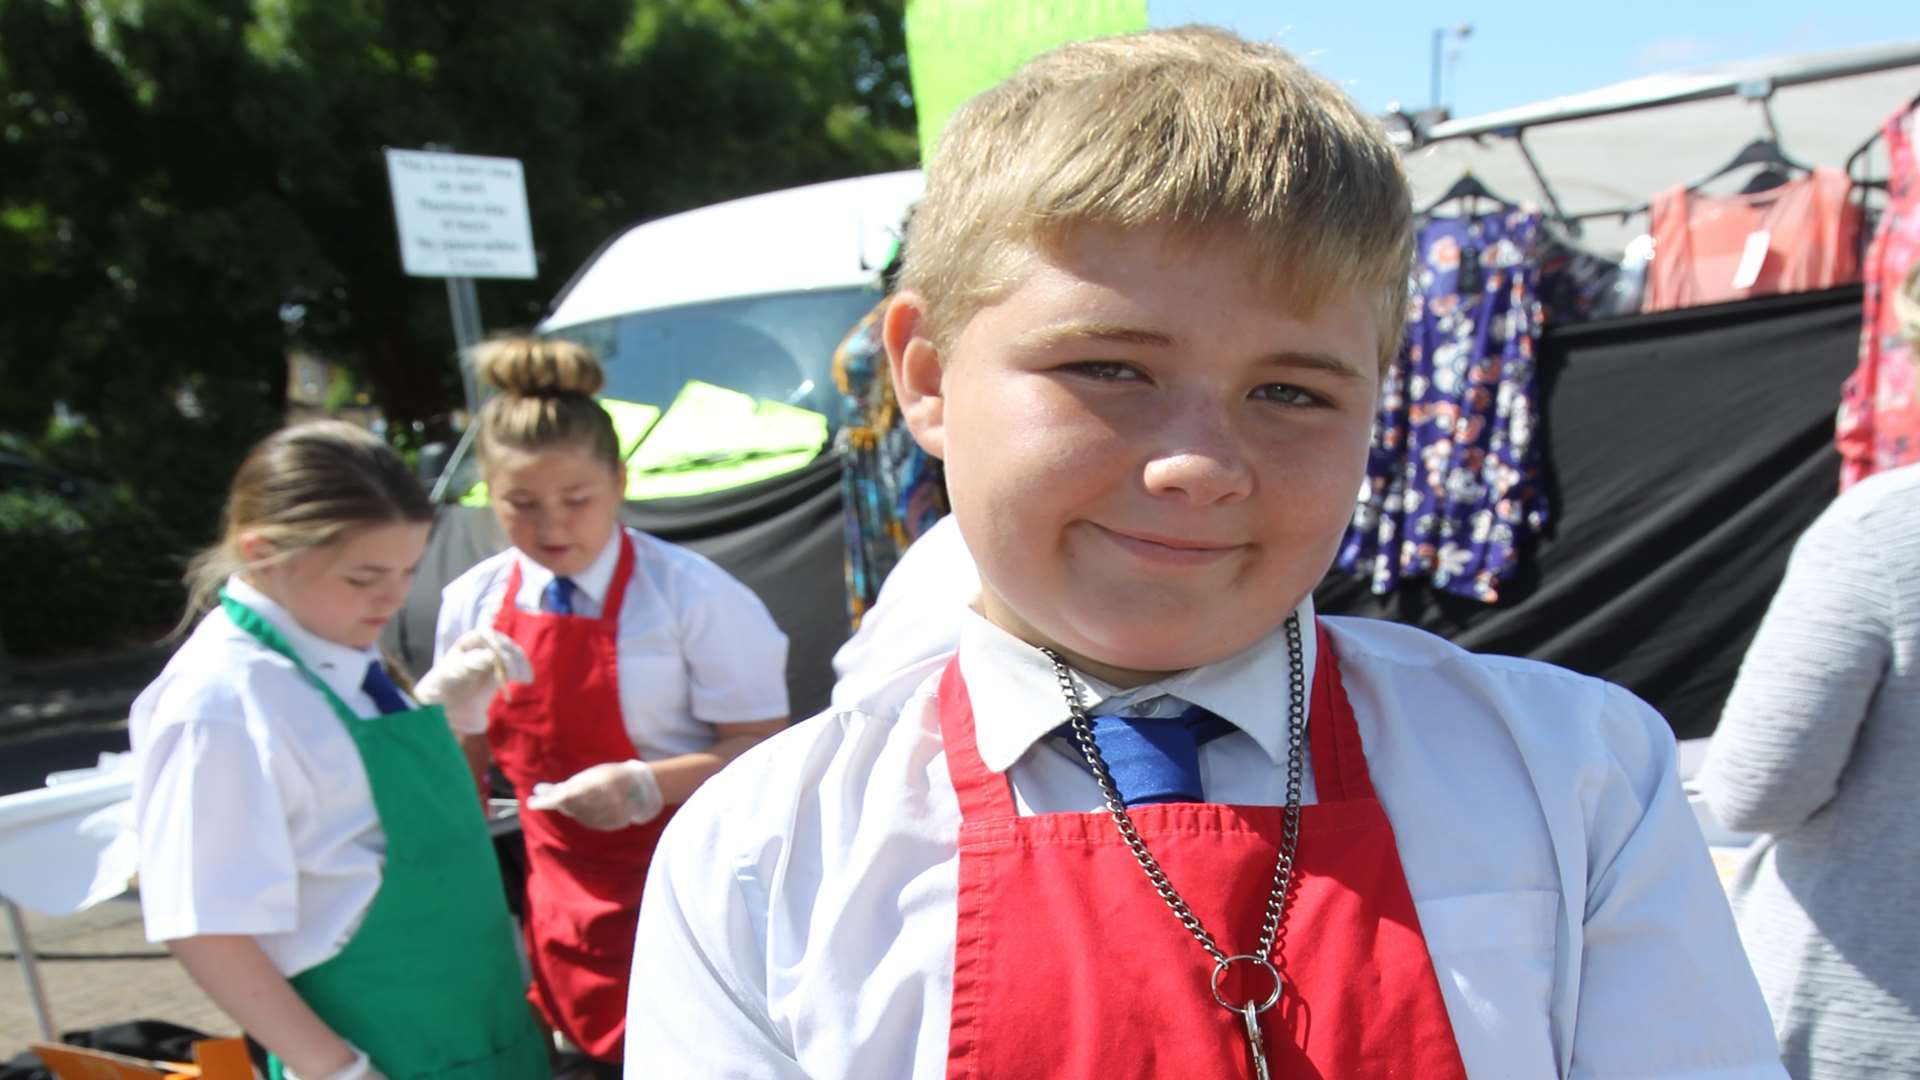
(1017,702)
(593,581)
(342,667)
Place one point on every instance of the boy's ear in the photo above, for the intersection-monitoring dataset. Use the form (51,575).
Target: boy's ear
(914,361)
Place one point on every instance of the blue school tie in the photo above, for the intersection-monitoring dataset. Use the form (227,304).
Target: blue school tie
(1155,759)
(557,597)
(378,686)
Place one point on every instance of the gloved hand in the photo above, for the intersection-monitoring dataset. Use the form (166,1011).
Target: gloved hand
(610,796)
(360,1068)
(479,663)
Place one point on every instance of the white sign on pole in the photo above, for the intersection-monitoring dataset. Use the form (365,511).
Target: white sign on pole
(461,215)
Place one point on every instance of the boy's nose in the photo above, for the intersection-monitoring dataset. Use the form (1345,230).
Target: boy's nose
(1203,462)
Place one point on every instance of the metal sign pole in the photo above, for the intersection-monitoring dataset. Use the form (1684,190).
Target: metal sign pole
(30,971)
(464,302)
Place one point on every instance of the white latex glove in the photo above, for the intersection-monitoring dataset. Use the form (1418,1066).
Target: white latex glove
(479,663)
(360,1068)
(610,796)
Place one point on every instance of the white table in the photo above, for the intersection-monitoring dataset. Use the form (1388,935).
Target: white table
(64,848)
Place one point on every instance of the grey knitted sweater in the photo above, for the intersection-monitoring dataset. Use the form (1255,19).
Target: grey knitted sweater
(1819,749)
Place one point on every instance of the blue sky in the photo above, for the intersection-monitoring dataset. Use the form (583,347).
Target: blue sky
(1380,50)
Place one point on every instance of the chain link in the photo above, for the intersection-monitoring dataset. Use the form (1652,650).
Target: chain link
(1272,932)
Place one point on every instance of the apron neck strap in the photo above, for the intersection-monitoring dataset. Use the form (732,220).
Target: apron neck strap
(263,631)
(616,587)
(1339,759)
(622,574)
(984,794)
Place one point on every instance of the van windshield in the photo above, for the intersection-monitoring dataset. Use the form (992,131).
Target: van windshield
(776,348)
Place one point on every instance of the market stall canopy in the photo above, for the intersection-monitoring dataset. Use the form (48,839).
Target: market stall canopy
(1615,146)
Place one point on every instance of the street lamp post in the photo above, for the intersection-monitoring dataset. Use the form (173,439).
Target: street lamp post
(1440,35)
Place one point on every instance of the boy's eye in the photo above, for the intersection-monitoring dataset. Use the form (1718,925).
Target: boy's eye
(1287,394)
(579,501)
(363,583)
(1104,370)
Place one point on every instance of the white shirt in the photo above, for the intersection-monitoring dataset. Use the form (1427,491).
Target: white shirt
(696,647)
(799,916)
(899,633)
(253,808)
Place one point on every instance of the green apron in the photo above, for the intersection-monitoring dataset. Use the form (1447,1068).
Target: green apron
(430,985)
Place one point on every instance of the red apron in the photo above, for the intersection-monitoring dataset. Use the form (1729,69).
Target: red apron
(583,885)
(1067,964)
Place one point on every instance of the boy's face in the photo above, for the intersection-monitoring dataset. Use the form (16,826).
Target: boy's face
(1151,462)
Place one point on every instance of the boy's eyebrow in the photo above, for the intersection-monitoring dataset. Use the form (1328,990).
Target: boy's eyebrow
(1090,331)
(1314,361)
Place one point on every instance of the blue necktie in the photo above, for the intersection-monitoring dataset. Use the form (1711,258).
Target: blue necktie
(380,688)
(557,597)
(1156,759)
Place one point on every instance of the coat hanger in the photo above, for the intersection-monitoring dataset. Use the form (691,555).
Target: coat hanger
(1859,155)
(1467,187)
(1758,152)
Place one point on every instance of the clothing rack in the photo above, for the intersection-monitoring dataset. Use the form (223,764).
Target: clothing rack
(1755,81)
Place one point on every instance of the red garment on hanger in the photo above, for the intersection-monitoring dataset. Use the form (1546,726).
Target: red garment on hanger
(1879,423)
(1810,229)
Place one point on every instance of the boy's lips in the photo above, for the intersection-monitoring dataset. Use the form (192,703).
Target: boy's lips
(1166,549)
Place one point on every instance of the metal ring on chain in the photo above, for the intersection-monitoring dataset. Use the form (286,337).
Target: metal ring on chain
(1220,968)
(1273,925)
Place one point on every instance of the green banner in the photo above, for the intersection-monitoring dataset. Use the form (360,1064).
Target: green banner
(957,48)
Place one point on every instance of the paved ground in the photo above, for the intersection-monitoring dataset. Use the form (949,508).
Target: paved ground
(98,969)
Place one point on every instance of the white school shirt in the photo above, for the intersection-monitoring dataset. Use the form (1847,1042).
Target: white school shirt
(902,631)
(253,809)
(799,915)
(696,647)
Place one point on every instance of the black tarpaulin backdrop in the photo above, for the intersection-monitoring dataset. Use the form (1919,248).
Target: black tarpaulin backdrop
(1686,451)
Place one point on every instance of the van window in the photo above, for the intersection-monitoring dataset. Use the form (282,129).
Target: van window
(779,347)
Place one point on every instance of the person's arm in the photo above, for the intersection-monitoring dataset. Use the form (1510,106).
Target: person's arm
(680,776)
(240,979)
(1665,989)
(1805,685)
(736,659)
(616,794)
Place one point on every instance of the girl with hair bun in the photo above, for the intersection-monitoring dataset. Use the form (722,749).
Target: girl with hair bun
(652,669)
(308,847)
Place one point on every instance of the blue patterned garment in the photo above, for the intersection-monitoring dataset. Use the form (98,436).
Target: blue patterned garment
(891,491)
(1453,493)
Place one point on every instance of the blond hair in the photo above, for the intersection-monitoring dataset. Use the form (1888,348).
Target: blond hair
(1193,129)
(304,487)
(546,400)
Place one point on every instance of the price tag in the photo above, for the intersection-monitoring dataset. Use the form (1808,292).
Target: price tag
(1752,259)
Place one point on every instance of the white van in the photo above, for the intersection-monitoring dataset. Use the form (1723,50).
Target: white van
(750,295)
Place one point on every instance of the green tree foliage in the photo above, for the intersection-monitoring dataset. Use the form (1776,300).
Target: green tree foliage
(188,188)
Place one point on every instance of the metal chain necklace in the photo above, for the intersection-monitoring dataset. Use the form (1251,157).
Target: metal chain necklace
(1272,928)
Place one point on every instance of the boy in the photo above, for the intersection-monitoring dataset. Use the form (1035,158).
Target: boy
(1142,320)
